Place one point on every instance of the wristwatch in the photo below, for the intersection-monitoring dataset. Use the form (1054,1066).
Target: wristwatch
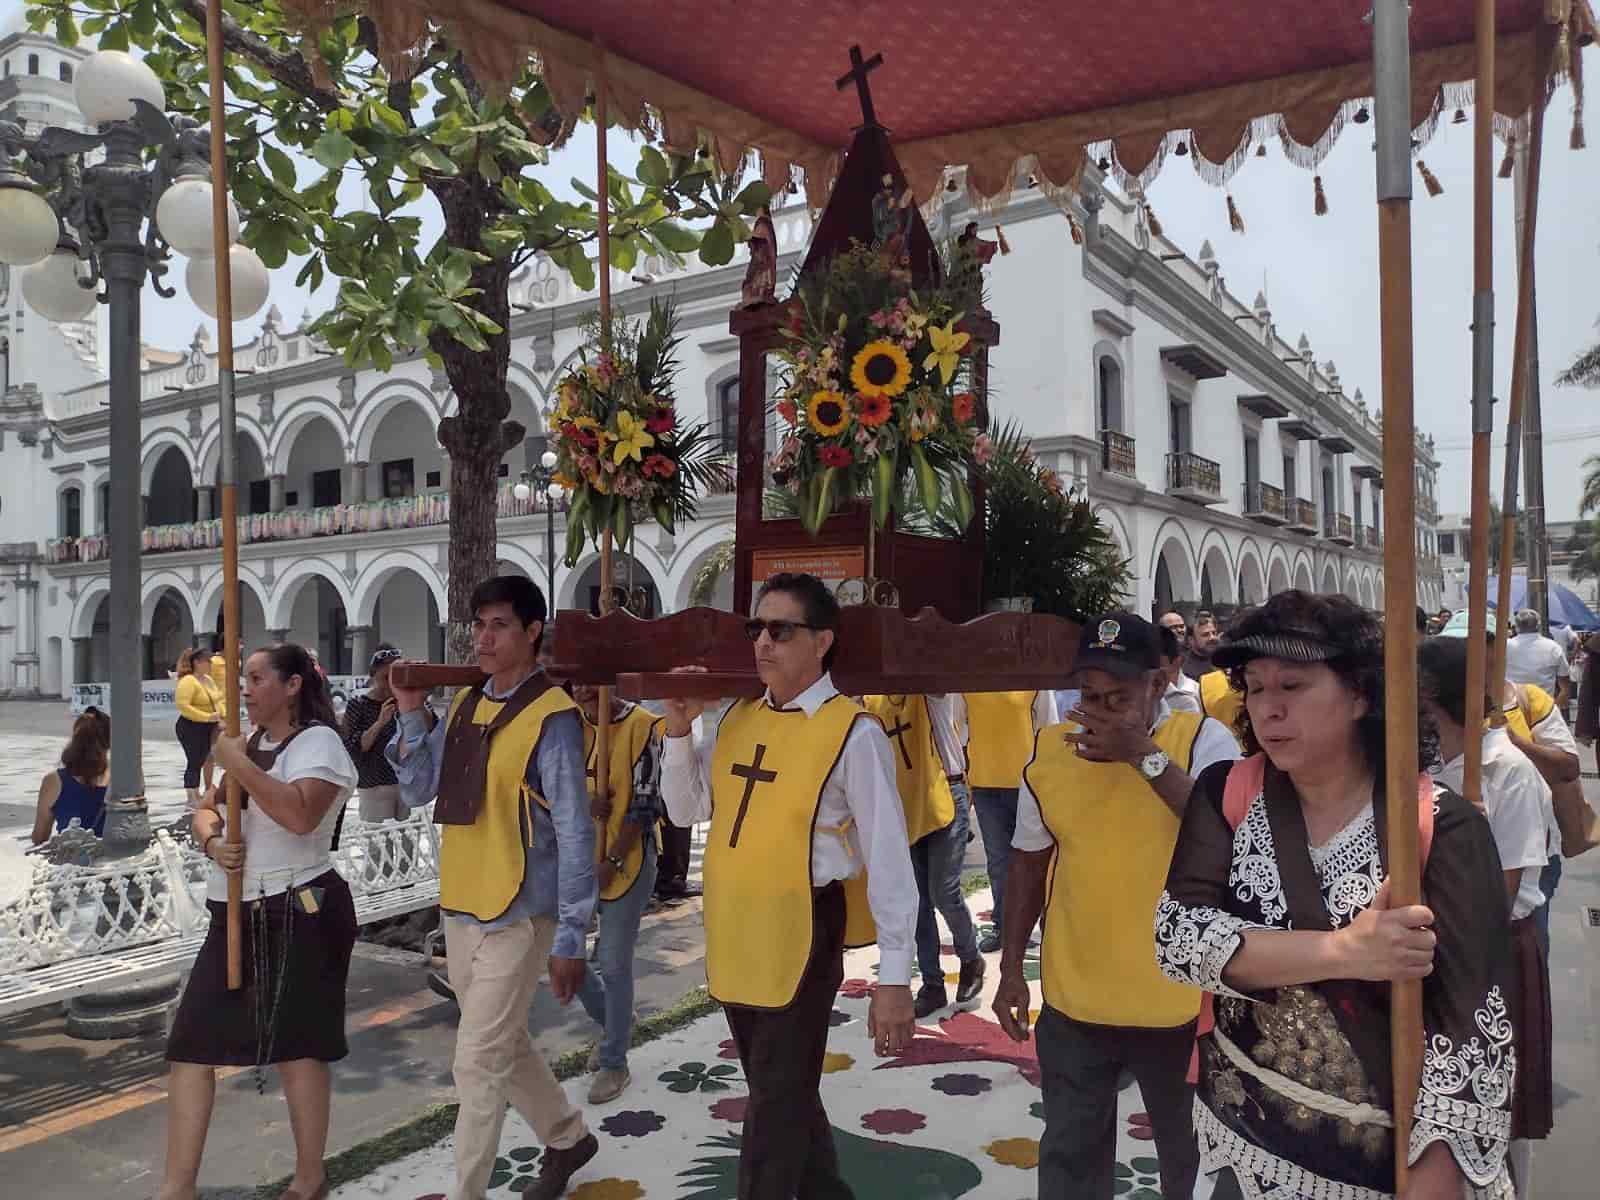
(1153,765)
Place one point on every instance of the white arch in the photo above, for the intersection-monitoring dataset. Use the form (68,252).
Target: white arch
(1352,584)
(1112,520)
(292,423)
(1278,572)
(1182,565)
(211,449)
(379,403)
(280,612)
(692,567)
(150,595)
(1252,580)
(644,554)
(153,447)
(88,604)
(1378,588)
(1304,580)
(210,603)
(1367,598)
(1330,579)
(523,557)
(378,572)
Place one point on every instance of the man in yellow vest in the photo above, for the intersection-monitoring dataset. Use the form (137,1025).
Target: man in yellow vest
(807,851)
(516,877)
(626,877)
(999,728)
(1097,820)
(1217,695)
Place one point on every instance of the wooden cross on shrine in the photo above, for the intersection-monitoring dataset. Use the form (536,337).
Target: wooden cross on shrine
(898,733)
(752,774)
(859,69)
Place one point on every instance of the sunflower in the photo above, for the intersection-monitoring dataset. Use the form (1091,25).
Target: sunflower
(827,413)
(872,410)
(881,368)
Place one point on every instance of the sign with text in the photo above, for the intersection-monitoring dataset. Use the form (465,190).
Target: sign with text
(831,564)
(161,695)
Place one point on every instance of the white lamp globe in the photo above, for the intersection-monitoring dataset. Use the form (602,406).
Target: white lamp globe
(108,83)
(548,460)
(183,216)
(28,227)
(51,288)
(249,277)
(521,490)
(555,491)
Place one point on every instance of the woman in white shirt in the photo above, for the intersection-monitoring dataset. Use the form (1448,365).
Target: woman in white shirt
(299,923)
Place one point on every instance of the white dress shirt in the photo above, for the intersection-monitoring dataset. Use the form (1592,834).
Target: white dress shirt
(1534,658)
(862,786)
(1516,799)
(1184,696)
(1212,744)
(945,740)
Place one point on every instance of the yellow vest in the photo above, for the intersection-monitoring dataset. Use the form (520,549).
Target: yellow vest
(1540,705)
(1219,699)
(918,770)
(1114,840)
(629,738)
(482,865)
(767,774)
(999,737)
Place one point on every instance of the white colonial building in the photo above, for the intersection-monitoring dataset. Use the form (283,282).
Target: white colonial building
(1225,459)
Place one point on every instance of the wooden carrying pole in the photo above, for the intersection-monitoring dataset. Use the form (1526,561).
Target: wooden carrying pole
(1520,373)
(1482,396)
(602,730)
(1392,108)
(227,470)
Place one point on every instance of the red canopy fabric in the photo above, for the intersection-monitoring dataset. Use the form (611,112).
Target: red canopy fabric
(1031,80)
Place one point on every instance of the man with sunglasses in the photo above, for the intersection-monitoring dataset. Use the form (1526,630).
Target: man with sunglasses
(807,851)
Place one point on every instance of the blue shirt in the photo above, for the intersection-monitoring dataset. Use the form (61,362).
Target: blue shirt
(559,877)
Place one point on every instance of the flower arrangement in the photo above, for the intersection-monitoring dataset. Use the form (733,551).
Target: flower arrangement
(621,453)
(878,382)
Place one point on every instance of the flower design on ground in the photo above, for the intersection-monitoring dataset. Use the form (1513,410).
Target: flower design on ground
(837,1018)
(836,1062)
(1139,1127)
(857,989)
(608,1189)
(696,1076)
(962,1085)
(1036,1109)
(515,1167)
(728,1048)
(633,1123)
(730,1108)
(893,1120)
(1015,1152)
(1139,1179)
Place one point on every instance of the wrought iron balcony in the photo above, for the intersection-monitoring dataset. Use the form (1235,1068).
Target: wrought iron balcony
(1117,453)
(1336,527)
(1190,477)
(1302,516)
(1369,538)
(1264,503)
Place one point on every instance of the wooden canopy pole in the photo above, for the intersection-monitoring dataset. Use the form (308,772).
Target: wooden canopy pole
(601,805)
(227,473)
(1391,54)
(1482,397)
(1520,374)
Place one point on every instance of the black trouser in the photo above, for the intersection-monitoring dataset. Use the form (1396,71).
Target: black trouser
(1079,1066)
(787,1151)
(672,867)
(195,737)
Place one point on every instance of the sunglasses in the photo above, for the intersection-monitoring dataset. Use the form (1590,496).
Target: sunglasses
(778,631)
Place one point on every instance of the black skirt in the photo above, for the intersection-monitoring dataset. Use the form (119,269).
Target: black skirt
(299,1013)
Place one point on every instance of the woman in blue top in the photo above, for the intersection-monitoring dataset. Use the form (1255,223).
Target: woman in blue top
(77,789)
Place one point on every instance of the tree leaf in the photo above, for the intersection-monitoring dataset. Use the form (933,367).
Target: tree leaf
(679,239)
(653,168)
(333,149)
(753,197)
(279,164)
(716,247)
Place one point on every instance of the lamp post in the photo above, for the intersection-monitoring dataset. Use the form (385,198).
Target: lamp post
(541,478)
(88,231)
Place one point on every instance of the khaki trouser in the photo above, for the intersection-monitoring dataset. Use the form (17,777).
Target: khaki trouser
(494,975)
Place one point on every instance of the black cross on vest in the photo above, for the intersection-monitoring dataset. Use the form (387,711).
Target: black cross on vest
(898,733)
(752,774)
(858,72)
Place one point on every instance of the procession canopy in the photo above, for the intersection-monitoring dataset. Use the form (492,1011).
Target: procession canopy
(1032,86)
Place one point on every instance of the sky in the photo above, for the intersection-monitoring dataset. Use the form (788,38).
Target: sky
(1320,275)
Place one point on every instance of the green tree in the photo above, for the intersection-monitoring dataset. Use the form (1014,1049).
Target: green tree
(1584,371)
(1590,500)
(437,135)
(1584,546)
(1519,538)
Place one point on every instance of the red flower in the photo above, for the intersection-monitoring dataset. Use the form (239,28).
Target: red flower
(658,465)
(834,456)
(872,410)
(584,437)
(963,406)
(664,421)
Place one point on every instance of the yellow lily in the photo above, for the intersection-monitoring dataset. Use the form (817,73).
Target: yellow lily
(632,438)
(947,347)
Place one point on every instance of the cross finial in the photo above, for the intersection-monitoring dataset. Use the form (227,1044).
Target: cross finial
(859,69)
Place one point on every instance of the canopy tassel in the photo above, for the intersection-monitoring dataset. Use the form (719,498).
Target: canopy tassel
(1576,141)
(1319,204)
(1075,230)
(1155,225)
(1429,179)
(1000,235)
(1235,221)
(1508,164)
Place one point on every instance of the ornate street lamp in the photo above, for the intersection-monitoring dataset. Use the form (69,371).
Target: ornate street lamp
(541,478)
(94,229)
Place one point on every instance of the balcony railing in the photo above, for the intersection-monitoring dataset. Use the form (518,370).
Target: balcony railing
(1337,527)
(1264,503)
(412,512)
(1190,477)
(1303,516)
(1369,538)
(1117,453)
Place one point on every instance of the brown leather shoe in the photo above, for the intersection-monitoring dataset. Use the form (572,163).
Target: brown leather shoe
(557,1168)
